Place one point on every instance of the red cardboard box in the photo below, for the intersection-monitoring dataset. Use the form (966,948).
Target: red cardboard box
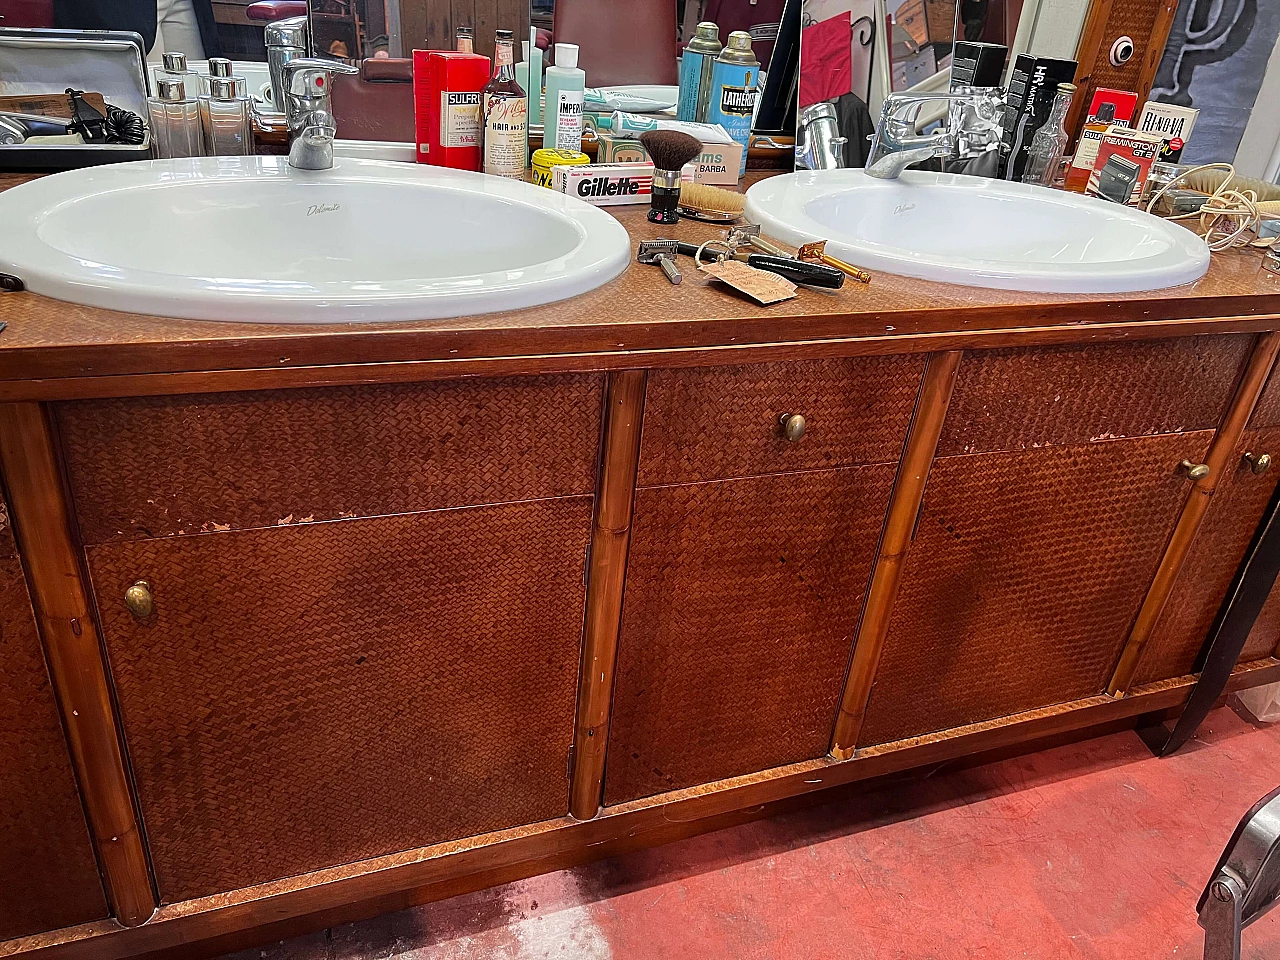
(1126,104)
(446,106)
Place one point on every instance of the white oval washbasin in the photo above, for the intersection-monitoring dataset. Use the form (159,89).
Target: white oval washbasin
(981,232)
(252,239)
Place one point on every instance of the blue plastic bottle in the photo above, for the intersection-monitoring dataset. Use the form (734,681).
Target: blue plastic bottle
(735,82)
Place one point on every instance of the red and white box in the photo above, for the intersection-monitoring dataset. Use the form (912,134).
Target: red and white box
(446,107)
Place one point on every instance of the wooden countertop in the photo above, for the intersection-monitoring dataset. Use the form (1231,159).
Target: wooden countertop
(52,349)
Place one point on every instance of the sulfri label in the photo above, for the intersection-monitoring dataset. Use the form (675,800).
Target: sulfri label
(459,119)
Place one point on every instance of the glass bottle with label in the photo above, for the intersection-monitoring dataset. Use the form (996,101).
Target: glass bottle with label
(464,42)
(505,111)
(1044,160)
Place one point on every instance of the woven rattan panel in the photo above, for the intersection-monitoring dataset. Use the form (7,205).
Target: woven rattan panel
(314,695)
(712,424)
(1266,413)
(1137,19)
(742,601)
(1023,580)
(164,465)
(46,859)
(1216,554)
(1024,398)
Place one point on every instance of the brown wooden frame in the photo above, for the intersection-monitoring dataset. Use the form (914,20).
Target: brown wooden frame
(33,478)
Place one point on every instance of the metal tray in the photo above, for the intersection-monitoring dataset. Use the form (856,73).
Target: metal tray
(109,62)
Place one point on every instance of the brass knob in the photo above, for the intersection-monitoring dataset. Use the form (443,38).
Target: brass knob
(139,600)
(1259,463)
(793,426)
(1195,471)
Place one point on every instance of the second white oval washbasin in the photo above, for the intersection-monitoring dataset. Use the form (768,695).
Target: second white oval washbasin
(977,231)
(253,239)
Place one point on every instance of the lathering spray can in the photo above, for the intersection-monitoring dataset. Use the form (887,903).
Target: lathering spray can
(735,80)
(696,64)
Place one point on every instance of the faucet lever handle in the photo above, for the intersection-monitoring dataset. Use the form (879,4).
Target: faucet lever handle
(309,77)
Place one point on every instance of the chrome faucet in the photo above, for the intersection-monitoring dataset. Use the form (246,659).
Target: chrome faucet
(308,114)
(286,40)
(819,145)
(971,126)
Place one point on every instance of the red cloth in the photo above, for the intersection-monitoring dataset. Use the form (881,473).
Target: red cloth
(826,61)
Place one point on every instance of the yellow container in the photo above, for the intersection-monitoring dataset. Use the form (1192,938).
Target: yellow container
(546,159)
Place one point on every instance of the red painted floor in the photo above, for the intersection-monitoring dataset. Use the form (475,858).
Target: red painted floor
(1093,850)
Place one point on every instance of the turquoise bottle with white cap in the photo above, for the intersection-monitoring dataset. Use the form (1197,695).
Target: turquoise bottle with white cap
(735,80)
(562,128)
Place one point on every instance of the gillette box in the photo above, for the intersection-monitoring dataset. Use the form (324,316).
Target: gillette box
(609,184)
(446,107)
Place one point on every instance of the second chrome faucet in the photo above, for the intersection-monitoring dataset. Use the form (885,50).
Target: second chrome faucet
(971,126)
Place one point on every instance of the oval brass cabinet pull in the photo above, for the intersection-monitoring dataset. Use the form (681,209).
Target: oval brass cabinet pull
(793,426)
(139,600)
(1195,471)
(1259,463)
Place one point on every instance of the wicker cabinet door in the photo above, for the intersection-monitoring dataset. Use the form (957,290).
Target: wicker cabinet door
(312,695)
(742,601)
(1217,552)
(1023,580)
(51,876)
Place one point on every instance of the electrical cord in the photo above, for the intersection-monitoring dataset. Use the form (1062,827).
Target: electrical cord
(1228,216)
(125,126)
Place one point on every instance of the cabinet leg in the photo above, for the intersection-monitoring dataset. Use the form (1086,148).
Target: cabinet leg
(72,646)
(610,538)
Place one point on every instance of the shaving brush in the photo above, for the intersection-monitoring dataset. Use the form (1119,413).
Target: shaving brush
(669,150)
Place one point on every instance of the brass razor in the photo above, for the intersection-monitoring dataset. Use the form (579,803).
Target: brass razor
(816,252)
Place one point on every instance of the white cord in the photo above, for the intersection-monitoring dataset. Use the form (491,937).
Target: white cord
(1227,217)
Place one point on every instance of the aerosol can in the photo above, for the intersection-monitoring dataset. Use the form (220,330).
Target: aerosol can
(735,81)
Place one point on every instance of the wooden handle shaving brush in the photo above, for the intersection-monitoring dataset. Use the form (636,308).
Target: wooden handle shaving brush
(669,150)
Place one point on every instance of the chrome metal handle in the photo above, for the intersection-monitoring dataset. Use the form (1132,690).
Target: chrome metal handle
(139,601)
(793,426)
(309,77)
(1194,471)
(1259,463)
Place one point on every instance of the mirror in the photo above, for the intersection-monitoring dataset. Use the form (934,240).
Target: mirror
(355,29)
(630,50)
(853,53)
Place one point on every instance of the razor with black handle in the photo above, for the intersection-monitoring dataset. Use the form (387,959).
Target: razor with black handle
(797,271)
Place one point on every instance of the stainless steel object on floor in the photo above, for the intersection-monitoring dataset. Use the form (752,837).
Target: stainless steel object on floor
(970,127)
(1246,882)
(309,112)
(819,145)
(286,40)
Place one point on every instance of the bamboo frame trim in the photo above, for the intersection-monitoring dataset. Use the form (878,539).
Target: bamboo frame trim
(610,540)
(1219,458)
(886,578)
(73,651)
